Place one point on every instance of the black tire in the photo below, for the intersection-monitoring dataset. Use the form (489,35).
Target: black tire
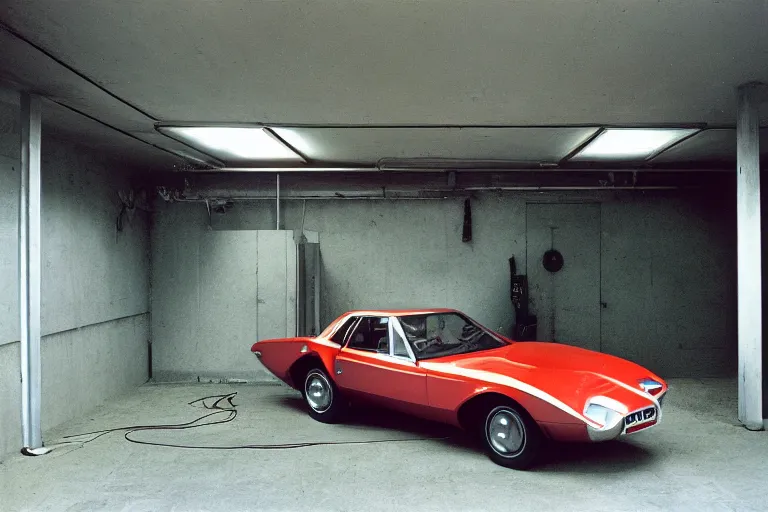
(322,397)
(511,437)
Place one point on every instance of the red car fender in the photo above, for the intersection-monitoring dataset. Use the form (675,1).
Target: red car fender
(279,355)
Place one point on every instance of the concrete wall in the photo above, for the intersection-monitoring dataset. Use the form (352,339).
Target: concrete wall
(95,284)
(667,265)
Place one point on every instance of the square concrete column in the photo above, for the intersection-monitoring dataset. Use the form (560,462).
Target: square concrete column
(29,271)
(749,256)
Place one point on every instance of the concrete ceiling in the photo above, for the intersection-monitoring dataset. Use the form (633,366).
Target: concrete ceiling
(71,128)
(522,63)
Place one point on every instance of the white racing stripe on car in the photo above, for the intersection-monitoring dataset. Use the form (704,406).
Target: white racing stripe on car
(503,380)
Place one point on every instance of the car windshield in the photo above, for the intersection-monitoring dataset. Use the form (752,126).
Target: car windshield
(445,334)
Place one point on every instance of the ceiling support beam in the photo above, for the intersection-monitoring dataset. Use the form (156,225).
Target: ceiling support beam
(29,273)
(749,257)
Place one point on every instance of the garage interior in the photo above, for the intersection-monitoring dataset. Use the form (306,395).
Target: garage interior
(423,149)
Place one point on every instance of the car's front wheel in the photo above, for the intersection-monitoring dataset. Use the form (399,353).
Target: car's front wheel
(511,437)
(323,397)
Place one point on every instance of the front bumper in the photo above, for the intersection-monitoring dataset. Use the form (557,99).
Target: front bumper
(631,423)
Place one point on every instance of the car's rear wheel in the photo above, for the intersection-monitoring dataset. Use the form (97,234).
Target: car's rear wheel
(323,397)
(511,437)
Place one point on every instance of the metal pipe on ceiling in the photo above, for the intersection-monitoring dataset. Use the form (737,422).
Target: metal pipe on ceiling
(310,170)
(535,188)
(293,169)
(453,194)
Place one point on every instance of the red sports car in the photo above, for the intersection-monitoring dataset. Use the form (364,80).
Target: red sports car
(441,365)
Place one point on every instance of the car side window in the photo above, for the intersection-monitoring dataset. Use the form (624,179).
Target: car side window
(341,334)
(371,335)
(398,342)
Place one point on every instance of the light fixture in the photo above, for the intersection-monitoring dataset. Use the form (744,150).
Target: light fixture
(630,144)
(235,144)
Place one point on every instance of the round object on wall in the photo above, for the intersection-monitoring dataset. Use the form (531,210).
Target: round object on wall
(553,260)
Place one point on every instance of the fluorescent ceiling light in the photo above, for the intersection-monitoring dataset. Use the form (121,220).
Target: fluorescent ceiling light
(631,144)
(235,143)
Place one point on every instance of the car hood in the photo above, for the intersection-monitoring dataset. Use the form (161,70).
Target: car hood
(569,374)
(523,356)
(556,356)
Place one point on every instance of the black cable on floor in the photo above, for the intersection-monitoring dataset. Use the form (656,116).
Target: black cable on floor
(231,414)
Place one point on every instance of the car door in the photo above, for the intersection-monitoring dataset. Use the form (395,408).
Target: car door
(377,363)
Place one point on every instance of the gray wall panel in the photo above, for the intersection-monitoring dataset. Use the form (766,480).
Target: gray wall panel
(90,273)
(84,368)
(276,303)
(393,254)
(668,274)
(9,252)
(214,293)
(10,398)
(227,305)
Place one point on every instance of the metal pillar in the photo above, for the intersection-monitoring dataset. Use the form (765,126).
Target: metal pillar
(29,271)
(749,257)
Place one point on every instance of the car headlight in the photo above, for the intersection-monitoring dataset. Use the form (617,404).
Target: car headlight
(651,386)
(602,415)
(605,411)
(608,414)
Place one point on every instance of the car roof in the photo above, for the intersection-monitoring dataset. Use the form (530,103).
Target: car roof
(333,327)
(398,312)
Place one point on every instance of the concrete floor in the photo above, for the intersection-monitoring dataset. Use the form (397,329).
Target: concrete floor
(698,459)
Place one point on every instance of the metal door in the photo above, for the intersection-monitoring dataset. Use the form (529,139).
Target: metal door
(567,302)
(308,300)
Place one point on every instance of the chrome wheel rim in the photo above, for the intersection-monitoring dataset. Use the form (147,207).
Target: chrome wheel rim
(506,433)
(318,392)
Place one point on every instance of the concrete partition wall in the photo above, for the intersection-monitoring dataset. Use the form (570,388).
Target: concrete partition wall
(95,284)
(667,265)
(214,293)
